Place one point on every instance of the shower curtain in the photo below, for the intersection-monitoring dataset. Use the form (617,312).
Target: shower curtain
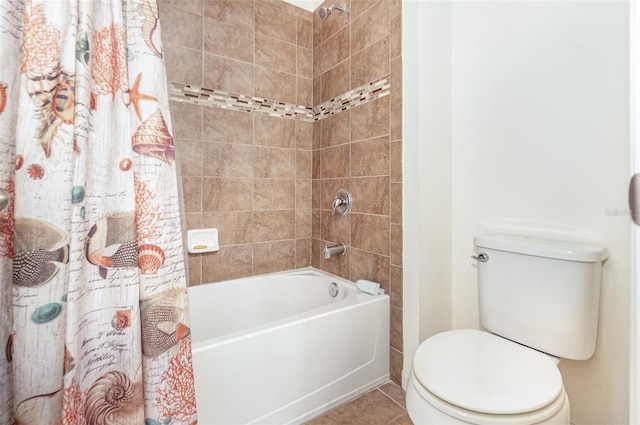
(93,306)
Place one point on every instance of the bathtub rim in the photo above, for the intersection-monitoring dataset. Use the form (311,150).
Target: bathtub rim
(298,271)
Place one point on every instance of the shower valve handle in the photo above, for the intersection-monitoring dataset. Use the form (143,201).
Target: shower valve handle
(341,202)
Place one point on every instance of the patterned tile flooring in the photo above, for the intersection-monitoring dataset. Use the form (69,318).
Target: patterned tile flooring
(381,406)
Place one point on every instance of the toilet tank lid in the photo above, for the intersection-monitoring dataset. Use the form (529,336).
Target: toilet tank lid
(561,250)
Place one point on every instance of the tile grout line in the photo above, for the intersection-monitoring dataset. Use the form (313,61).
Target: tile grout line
(396,418)
(391,398)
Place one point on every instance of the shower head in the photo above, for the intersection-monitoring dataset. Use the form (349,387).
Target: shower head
(324,12)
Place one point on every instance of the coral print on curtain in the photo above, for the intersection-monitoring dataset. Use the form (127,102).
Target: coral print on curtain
(94,325)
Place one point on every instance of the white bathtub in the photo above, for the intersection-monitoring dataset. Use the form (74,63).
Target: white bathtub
(278,349)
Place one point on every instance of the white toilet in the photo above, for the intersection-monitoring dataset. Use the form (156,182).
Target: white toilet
(532,293)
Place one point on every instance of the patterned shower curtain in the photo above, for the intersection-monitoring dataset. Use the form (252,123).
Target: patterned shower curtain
(94,326)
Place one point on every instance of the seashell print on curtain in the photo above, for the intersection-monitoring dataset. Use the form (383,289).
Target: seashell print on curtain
(94,323)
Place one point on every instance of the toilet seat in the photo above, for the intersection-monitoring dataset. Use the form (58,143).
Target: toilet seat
(555,413)
(486,374)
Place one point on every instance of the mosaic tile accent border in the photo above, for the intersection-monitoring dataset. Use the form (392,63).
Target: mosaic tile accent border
(358,96)
(237,102)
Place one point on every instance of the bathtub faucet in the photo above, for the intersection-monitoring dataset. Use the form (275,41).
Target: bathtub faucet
(330,251)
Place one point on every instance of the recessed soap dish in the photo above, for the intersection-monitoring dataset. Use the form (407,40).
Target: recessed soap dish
(202,240)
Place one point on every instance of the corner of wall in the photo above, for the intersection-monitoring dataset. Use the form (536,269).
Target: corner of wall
(427,171)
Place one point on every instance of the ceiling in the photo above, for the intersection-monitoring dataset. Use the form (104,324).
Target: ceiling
(310,5)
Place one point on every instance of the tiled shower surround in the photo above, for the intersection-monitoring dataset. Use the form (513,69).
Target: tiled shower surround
(267,182)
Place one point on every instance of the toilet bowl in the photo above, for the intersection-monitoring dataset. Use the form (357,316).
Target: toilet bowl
(474,377)
(538,302)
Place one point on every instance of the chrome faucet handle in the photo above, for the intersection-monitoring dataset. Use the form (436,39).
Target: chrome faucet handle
(341,202)
(336,203)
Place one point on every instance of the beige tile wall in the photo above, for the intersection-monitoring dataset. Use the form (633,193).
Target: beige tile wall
(249,175)
(361,150)
(267,183)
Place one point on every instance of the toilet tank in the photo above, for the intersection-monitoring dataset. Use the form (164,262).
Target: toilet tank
(544,294)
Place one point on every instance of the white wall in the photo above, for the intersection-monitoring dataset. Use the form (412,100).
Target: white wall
(427,172)
(540,145)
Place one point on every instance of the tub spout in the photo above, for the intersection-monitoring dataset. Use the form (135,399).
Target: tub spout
(330,251)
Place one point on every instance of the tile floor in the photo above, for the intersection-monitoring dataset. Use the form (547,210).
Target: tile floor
(381,406)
